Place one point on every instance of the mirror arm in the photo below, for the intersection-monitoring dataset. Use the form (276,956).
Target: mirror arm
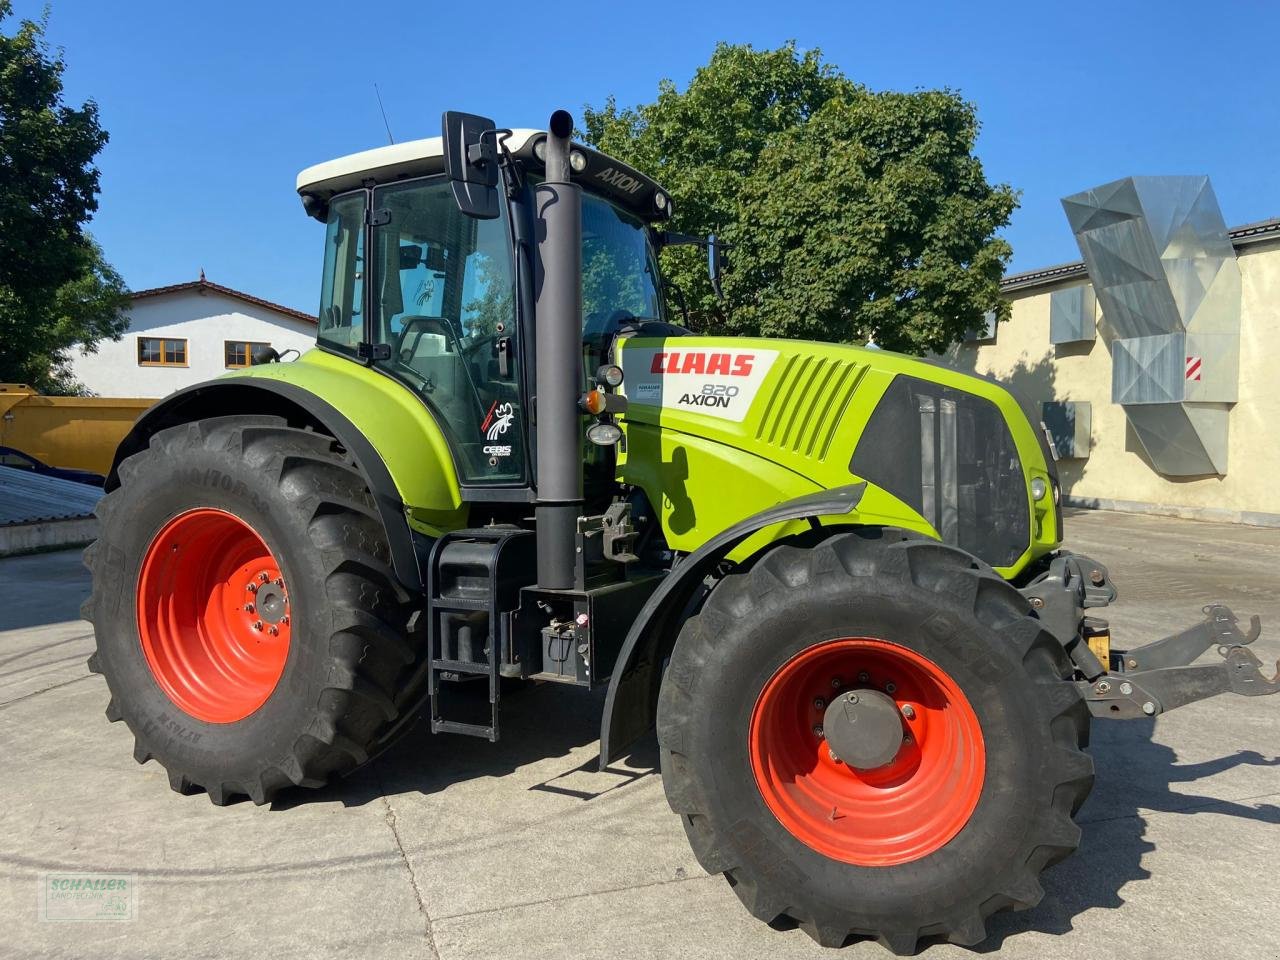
(668,238)
(512,175)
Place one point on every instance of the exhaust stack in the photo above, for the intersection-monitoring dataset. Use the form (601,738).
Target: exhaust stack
(558,347)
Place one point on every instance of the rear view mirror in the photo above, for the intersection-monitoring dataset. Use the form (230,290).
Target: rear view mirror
(471,163)
(715,263)
(410,256)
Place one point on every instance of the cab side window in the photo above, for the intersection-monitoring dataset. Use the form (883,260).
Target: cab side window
(342,291)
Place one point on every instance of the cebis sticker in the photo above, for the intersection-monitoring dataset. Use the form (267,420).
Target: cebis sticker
(716,383)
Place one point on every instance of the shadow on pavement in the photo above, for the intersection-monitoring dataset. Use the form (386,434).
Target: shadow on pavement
(1135,777)
(539,722)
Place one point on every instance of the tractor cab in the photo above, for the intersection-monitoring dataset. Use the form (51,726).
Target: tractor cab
(440,296)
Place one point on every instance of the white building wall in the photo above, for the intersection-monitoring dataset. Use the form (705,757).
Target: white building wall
(206,321)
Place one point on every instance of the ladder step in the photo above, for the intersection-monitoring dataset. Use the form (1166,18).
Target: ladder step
(465,576)
(459,604)
(466,729)
(462,666)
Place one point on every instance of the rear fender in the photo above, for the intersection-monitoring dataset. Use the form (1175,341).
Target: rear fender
(630,705)
(262,396)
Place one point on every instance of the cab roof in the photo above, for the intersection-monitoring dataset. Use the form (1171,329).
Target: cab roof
(418,158)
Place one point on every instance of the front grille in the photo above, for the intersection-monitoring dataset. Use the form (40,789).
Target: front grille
(949,456)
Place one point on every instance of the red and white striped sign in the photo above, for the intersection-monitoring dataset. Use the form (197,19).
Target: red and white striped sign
(1193,368)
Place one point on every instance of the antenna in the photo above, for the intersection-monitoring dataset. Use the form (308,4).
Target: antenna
(377,93)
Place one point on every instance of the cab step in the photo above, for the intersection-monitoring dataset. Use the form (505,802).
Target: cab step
(474,581)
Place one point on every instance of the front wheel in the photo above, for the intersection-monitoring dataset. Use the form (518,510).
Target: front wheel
(872,736)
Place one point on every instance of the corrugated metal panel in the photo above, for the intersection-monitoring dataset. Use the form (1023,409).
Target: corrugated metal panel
(1164,270)
(805,405)
(27,497)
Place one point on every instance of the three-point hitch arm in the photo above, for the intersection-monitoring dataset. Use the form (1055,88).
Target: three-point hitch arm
(1160,676)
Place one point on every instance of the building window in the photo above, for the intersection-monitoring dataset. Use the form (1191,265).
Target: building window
(984,334)
(239,353)
(161,352)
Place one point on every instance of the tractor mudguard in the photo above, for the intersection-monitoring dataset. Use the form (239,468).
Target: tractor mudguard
(629,706)
(260,395)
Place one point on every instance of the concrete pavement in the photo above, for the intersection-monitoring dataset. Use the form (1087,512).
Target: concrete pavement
(453,848)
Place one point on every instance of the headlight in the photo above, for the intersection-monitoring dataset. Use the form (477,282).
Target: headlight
(610,375)
(1038,489)
(540,150)
(604,434)
(578,161)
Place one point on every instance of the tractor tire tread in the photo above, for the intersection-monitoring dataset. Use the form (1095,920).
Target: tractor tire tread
(370,647)
(921,563)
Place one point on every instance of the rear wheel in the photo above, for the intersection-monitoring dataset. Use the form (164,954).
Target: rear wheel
(872,736)
(249,626)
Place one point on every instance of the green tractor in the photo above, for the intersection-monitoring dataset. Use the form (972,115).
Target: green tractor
(830,576)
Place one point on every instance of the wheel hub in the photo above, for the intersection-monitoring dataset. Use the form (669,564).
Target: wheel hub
(271,602)
(863,728)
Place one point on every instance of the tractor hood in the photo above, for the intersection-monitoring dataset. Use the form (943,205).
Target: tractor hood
(956,450)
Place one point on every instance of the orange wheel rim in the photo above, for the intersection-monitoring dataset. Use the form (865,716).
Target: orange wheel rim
(895,813)
(214,615)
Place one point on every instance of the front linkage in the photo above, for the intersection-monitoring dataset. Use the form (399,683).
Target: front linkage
(1154,678)
(1158,677)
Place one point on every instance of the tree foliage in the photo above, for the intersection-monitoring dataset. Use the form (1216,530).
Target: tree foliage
(850,214)
(56,290)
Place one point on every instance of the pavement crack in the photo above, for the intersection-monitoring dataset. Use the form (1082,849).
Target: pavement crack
(392,822)
(1205,804)
(585,895)
(35,693)
(44,647)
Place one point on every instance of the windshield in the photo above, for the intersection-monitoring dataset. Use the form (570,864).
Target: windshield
(619,275)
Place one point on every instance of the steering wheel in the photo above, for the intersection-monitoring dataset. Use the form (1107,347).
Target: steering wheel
(445,329)
(424,325)
(438,325)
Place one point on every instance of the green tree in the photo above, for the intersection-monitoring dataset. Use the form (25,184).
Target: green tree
(56,290)
(850,214)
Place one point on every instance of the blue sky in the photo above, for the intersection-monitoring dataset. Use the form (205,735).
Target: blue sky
(213,108)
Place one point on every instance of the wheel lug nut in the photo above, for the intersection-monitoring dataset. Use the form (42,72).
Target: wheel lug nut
(863,677)
(248,608)
(818,703)
(279,581)
(257,624)
(909,711)
(832,755)
(817,732)
(890,688)
(852,697)
(273,630)
(263,577)
(285,619)
(835,683)
(906,738)
(251,587)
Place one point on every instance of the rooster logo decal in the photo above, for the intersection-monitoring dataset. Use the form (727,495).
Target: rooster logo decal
(497,421)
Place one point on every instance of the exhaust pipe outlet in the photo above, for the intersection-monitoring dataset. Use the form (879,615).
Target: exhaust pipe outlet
(558,365)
